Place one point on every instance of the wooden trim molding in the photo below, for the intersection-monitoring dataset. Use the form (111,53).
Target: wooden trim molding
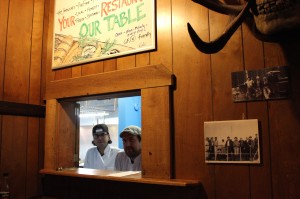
(21,109)
(110,82)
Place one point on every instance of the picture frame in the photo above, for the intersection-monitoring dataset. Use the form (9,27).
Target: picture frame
(92,30)
(232,141)
(270,83)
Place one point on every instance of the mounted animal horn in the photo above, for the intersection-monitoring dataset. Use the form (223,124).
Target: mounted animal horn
(217,44)
(272,20)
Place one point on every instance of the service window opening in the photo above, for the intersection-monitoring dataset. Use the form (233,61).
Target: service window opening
(116,113)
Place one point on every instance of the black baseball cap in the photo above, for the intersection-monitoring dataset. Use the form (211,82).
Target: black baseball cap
(100,128)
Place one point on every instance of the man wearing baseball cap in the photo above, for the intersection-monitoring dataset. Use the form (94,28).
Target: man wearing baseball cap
(130,158)
(103,155)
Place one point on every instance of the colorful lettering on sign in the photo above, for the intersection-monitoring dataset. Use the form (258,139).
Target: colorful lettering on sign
(91,29)
(66,22)
(124,18)
(107,7)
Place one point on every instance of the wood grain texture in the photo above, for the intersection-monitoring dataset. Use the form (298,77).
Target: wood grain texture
(284,123)
(156,150)
(4,7)
(63,73)
(50,158)
(125,80)
(18,51)
(277,118)
(107,175)
(76,71)
(202,93)
(14,152)
(32,151)
(66,134)
(143,59)
(228,60)
(21,25)
(92,68)
(163,54)
(260,177)
(126,62)
(109,65)
(45,76)
(36,49)
(49,21)
(192,96)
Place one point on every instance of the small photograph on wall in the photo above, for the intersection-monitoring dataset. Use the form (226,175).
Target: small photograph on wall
(256,85)
(232,141)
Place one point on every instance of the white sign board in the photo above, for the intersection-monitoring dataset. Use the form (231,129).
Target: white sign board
(90,30)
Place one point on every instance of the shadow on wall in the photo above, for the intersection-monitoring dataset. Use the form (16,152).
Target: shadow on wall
(291,51)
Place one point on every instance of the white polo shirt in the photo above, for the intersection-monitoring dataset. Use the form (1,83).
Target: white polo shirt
(94,160)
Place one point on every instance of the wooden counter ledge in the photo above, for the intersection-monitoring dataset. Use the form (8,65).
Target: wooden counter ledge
(118,176)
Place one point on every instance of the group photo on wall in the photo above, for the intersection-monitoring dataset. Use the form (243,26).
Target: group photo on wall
(256,85)
(235,141)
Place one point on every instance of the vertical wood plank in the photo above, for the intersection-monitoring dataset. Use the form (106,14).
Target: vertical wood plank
(4,5)
(92,68)
(228,60)
(22,64)
(284,123)
(193,82)
(76,71)
(50,161)
(291,51)
(143,59)
(63,73)
(36,49)
(156,152)
(109,65)
(32,173)
(14,153)
(275,57)
(41,141)
(49,20)
(163,54)
(126,62)
(260,177)
(18,51)
(66,130)
(45,76)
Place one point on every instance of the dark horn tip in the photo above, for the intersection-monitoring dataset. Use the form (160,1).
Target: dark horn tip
(205,47)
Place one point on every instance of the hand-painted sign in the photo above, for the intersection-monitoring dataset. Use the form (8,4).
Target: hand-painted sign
(90,30)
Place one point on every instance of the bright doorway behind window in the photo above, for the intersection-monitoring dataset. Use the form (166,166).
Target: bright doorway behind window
(116,113)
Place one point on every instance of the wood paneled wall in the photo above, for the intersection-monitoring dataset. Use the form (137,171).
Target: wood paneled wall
(203,93)
(21,137)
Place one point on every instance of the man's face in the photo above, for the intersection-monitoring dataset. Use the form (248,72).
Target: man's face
(101,140)
(132,145)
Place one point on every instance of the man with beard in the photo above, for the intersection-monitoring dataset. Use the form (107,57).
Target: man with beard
(103,155)
(130,158)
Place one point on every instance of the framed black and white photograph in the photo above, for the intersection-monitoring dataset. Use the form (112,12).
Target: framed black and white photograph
(232,141)
(91,30)
(256,85)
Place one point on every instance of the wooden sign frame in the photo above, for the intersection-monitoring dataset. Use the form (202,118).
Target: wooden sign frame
(92,30)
